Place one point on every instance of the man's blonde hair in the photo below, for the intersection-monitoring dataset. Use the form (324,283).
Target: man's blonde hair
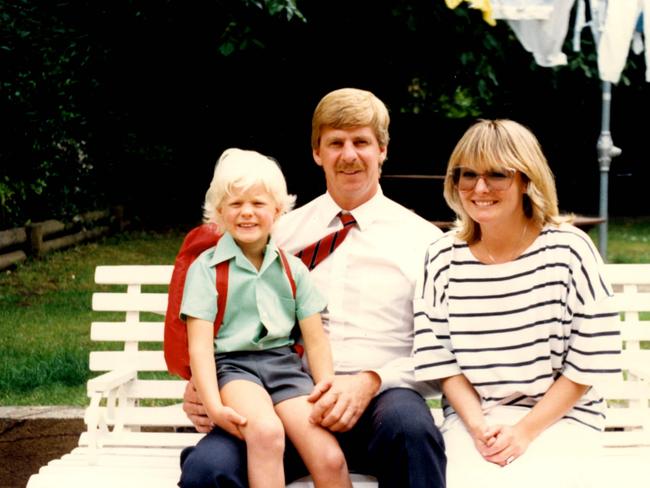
(239,170)
(350,107)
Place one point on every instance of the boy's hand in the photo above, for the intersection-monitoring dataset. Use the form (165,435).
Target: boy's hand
(230,421)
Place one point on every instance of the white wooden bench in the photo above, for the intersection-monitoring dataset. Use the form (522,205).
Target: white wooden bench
(135,424)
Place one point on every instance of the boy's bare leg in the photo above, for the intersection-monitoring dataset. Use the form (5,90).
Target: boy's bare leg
(263,432)
(318,448)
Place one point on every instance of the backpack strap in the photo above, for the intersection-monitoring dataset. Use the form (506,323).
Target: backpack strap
(287,270)
(298,348)
(222,293)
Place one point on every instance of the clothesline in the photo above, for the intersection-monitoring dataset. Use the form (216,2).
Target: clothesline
(542,26)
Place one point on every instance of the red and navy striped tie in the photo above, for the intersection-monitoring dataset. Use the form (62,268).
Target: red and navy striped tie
(313,254)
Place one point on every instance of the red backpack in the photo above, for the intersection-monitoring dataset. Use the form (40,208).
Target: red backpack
(175,344)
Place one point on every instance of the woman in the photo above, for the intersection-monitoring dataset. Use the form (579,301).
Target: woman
(515,319)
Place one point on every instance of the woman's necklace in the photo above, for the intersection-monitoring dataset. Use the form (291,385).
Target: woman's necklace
(514,254)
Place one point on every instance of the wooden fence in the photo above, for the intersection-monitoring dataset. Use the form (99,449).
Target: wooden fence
(38,238)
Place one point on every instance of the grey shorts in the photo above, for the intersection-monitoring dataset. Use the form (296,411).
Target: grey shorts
(279,371)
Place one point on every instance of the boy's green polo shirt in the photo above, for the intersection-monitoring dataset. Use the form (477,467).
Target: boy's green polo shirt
(260,309)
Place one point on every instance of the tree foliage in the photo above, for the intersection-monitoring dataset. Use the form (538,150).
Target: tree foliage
(97,92)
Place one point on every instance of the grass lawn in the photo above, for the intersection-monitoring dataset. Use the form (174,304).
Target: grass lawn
(45,310)
(45,316)
(628,240)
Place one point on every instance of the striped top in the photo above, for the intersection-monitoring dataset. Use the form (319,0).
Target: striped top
(513,328)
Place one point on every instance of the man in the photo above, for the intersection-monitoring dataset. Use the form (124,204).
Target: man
(373,405)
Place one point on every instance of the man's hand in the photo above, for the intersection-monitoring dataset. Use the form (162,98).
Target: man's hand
(194,409)
(339,402)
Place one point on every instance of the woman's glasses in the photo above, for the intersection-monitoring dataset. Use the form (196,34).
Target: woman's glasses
(465,179)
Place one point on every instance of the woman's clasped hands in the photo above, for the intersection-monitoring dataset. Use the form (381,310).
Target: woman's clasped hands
(501,444)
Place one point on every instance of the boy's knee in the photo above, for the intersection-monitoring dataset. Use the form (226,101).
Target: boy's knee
(265,435)
(332,460)
(330,465)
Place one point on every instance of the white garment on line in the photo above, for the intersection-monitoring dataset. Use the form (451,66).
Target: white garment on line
(615,41)
(544,38)
(522,9)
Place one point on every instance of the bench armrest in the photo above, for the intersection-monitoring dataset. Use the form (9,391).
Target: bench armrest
(112,386)
(109,381)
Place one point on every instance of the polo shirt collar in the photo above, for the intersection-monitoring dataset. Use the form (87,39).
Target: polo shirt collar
(227,249)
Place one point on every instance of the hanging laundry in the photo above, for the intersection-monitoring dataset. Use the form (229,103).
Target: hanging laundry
(484,5)
(591,14)
(522,9)
(637,37)
(545,38)
(615,42)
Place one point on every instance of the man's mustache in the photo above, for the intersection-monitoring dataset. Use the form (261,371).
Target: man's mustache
(349,167)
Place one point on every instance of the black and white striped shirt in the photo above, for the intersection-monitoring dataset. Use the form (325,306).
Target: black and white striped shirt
(513,328)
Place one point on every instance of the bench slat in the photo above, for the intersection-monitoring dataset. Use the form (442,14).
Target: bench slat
(130,302)
(635,330)
(133,274)
(624,390)
(159,452)
(626,417)
(139,360)
(69,461)
(145,439)
(628,273)
(632,302)
(161,389)
(154,389)
(123,331)
(92,476)
(148,417)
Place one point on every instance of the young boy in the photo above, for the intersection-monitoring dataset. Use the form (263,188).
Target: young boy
(253,386)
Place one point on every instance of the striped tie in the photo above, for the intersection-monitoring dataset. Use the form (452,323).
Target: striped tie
(313,254)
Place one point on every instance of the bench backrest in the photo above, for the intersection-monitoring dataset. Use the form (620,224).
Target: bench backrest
(628,415)
(132,333)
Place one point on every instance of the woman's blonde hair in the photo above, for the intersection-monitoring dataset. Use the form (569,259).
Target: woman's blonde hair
(350,107)
(239,170)
(503,145)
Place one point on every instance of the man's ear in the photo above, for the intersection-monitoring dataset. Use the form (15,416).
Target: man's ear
(383,154)
(316,154)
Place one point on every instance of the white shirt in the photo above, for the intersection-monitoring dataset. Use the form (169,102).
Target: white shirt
(368,282)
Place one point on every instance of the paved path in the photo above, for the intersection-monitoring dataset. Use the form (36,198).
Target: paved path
(42,412)
(30,437)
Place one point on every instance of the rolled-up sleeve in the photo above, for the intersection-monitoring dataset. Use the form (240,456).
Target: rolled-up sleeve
(432,349)
(594,342)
